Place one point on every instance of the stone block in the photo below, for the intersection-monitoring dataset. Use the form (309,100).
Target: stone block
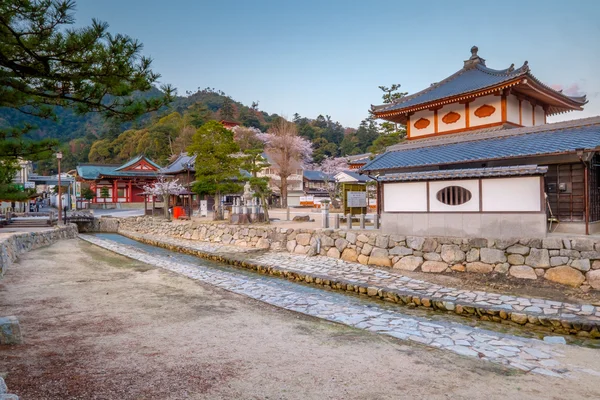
(434,266)
(363,259)
(556,261)
(570,253)
(291,245)
(263,243)
(349,255)
(333,252)
(382,241)
(518,249)
(502,268)
(397,239)
(415,242)
(429,245)
(565,275)
(596,264)
(409,263)
(432,257)
(401,251)
(341,244)
(452,254)
(299,249)
(478,242)
(380,258)
(515,259)
(327,241)
(593,278)
(361,238)
(582,264)
(522,272)
(473,255)
(492,256)
(538,258)
(552,243)
(503,244)
(582,244)
(479,267)
(366,249)
(10,330)
(303,239)
(351,237)
(592,255)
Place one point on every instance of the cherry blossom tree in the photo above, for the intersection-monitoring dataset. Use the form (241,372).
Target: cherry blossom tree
(330,167)
(164,188)
(287,151)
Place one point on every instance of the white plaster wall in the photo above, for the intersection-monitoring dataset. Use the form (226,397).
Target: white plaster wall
(414,132)
(471,185)
(526,113)
(539,116)
(491,100)
(511,194)
(512,109)
(409,196)
(457,108)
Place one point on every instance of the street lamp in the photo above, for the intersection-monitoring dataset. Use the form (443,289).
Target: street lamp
(58,158)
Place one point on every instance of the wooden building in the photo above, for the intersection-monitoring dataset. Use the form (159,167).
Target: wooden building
(124,183)
(482,161)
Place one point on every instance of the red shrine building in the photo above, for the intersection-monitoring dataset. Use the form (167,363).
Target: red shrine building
(124,183)
(481,159)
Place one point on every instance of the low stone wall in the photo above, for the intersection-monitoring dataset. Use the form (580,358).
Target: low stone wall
(574,262)
(22,242)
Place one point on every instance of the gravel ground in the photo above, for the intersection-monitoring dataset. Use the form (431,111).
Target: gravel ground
(101,326)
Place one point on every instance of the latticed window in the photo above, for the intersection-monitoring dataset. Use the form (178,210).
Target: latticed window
(453,195)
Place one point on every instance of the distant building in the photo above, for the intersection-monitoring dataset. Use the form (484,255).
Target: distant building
(358,161)
(124,182)
(482,161)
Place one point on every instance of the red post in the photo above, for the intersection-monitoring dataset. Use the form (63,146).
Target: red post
(130,193)
(115,196)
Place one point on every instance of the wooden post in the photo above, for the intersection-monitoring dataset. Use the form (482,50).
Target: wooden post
(586,192)
(130,193)
(349,221)
(114,194)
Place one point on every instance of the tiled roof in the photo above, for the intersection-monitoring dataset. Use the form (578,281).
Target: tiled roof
(565,137)
(315,175)
(96,171)
(474,78)
(357,176)
(178,166)
(464,81)
(493,172)
(135,160)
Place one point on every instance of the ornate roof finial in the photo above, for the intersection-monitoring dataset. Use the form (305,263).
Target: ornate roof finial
(475,59)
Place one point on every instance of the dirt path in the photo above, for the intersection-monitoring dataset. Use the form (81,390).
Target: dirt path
(100,326)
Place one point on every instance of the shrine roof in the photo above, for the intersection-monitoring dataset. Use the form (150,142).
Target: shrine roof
(474,79)
(179,165)
(93,171)
(463,173)
(557,138)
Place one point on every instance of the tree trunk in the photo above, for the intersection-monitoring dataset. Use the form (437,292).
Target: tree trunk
(166,206)
(284,191)
(265,206)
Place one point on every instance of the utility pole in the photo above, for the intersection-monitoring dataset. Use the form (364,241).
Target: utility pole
(59,157)
(189,165)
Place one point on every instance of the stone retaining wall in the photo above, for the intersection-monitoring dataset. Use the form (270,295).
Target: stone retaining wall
(574,262)
(22,242)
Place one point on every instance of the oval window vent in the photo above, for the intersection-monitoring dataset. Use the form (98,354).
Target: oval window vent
(453,195)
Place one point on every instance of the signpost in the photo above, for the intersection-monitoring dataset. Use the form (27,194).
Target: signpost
(354,196)
(29,185)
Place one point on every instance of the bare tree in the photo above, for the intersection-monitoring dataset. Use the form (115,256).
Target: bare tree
(287,151)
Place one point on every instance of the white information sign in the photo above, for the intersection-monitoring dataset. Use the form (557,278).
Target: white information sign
(29,185)
(356,199)
(203,208)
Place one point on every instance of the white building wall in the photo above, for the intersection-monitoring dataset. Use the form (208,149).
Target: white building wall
(526,113)
(540,115)
(410,196)
(490,100)
(425,114)
(511,194)
(461,123)
(512,109)
(472,185)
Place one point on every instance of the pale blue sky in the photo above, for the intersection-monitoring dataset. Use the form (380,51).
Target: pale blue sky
(328,57)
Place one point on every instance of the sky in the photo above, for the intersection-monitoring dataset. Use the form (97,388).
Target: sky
(329,57)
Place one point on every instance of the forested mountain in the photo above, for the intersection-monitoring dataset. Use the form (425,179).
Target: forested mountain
(163,134)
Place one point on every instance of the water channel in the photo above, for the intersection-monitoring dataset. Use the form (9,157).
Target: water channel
(504,344)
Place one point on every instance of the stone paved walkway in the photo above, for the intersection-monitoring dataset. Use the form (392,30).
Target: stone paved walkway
(583,319)
(525,354)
